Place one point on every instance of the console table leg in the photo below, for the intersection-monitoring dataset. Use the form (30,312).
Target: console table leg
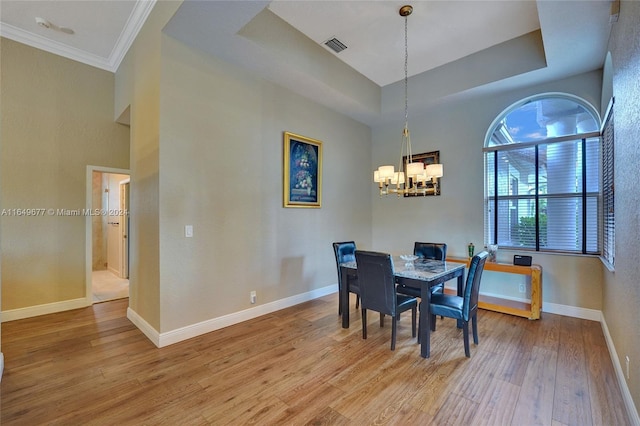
(536,292)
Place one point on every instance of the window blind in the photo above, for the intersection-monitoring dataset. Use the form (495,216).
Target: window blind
(544,196)
(608,190)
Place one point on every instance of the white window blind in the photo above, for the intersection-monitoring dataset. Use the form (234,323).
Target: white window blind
(608,190)
(545,196)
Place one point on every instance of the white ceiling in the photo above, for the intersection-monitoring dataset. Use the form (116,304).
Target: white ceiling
(439,32)
(103,30)
(456,48)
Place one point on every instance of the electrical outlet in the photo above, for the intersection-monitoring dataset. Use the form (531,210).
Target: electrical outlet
(522,288)
(188,231)
(627,362)
(252,297)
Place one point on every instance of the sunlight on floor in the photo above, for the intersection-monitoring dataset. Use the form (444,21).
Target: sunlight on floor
(107,286)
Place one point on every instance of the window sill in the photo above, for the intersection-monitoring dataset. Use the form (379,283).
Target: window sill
(607,265)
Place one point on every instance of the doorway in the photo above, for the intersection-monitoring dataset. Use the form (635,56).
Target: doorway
(107,234)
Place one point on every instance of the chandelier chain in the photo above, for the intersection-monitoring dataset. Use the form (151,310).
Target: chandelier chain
(405,132)
(406,76)
(411,178)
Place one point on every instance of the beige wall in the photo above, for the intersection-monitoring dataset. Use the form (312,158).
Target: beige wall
(57,118)
(621,295)
(221,153)
(211,157)
(138,88)
(1,206)
(457,129)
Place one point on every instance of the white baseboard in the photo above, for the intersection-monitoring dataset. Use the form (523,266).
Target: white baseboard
(184,333)
(48,308)
(553,308)
(146,328)
(500,296)
(572,311)
(624,388)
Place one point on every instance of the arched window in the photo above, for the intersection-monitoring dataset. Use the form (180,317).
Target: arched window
(542,176)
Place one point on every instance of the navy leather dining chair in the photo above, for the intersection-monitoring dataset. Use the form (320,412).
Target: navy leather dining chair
(378,291)
(345,252)
(465,307)
(437,251)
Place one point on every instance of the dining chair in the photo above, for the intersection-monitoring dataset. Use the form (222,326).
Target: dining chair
(437,251)
(378,291)
(463,308)
(345,252)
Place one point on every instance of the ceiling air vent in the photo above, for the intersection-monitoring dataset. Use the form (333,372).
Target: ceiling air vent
(335,45)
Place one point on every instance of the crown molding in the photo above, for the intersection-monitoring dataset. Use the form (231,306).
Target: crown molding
(134,24)
(139,14)
(51,46)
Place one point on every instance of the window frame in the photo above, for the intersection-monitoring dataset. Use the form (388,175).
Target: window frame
(492,202)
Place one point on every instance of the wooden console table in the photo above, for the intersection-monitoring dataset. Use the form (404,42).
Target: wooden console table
(527,310)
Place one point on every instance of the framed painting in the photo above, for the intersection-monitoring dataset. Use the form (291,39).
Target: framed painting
(302,171)
(425,158)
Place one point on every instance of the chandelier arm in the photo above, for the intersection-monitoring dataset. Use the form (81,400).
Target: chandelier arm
(400,165)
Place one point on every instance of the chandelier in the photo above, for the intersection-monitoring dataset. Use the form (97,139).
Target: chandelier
(412,178)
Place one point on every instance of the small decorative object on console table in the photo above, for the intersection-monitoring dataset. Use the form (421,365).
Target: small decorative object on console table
(493,252)
(471,248)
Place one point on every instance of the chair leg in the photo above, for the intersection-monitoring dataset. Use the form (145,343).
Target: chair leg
(364,323)
(433,323)
(413,321)
(428,335)
(357,301)
(339,300)
(474,324)
(393,333)
(418,340)
(381,320)
(465,334)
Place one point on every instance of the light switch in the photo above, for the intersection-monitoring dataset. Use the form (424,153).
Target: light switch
(188,231)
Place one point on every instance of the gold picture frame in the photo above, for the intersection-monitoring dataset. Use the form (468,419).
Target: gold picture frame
(425,158)
(302,171)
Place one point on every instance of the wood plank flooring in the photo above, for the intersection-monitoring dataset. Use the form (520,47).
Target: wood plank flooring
(298,366)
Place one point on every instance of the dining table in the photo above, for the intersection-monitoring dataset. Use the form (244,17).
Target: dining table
(418,273)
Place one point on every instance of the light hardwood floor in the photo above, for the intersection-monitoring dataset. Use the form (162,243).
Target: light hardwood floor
(298,366)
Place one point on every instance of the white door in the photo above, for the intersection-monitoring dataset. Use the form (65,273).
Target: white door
(115,224)
(124,228)
(113,229)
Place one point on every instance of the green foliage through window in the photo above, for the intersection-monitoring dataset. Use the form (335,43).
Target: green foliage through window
(527,231)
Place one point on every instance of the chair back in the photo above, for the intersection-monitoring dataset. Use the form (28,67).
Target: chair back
(437,251)
(345,252)
(472,286)
(377,282)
